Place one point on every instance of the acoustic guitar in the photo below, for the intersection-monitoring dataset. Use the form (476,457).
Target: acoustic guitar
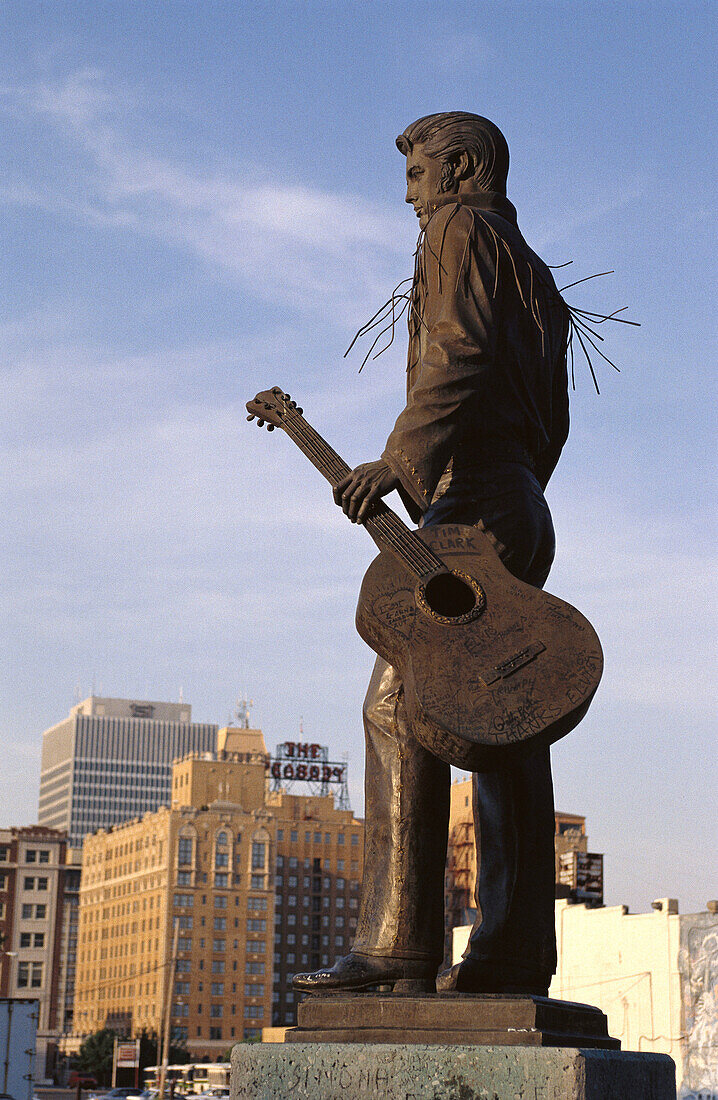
(492,667)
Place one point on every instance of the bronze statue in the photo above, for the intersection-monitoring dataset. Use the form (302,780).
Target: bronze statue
(484,424)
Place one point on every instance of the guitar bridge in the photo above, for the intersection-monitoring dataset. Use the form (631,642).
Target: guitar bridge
(512,664)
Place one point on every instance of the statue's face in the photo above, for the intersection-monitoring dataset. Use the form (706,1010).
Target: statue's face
(423,182)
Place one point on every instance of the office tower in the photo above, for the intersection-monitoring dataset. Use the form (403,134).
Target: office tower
(110,760)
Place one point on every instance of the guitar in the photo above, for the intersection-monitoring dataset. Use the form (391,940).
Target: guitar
(492,667)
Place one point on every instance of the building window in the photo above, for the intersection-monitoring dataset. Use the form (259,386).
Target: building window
(3,853)
(180,1010)
(182,989)
(280,835)
(28,884)
(340,838)
(256,947)
(218,966)
(255,925)
(216,1011)
(317,838)
(31,855)
(218,945)
(184,943)
(221,880)
(355,838)
(25,939)
(253,1012)
(259,855)
(184,901)
(220,901)
(184,851)
(217,989)
(254,968)
(26,911)
(294,836)
(257,903)
(184,878)
(44,855)
(215,1033)
(220,924)
(221,859)
(29,975)
(185,922)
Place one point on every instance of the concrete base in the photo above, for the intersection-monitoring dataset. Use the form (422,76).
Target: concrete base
(372,1071)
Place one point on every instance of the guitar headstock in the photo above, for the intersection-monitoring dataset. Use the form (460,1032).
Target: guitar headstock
(271,407)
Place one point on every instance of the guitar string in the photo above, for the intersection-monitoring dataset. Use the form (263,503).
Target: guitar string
(332,464)
(419,558)
(412,550)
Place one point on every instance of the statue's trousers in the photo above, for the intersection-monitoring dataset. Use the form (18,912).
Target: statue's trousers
(407,787)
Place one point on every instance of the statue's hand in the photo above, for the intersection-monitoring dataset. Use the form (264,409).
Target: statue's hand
(363,487)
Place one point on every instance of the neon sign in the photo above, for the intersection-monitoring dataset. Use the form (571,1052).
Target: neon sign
(302,760)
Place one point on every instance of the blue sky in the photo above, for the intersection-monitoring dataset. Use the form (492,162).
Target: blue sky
(201,201)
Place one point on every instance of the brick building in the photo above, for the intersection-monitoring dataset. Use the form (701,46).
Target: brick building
(319,863)
(32,888)
(259,882)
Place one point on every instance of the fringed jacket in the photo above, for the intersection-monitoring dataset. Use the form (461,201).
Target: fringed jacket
(486,374)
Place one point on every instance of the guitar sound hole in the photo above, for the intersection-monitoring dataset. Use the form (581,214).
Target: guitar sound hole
(447,595)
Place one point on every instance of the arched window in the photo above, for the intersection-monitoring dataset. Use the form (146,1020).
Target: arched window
(259,854)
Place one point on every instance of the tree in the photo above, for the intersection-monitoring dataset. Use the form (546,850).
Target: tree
(96,1053)
(150,1056)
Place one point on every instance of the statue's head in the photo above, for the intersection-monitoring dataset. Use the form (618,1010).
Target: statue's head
(452,152)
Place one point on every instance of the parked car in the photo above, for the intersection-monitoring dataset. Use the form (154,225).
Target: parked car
(77,1077)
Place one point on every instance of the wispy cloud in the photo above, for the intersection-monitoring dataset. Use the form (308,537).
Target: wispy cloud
(282,240)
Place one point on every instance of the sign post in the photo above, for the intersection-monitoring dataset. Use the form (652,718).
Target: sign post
(126,1055)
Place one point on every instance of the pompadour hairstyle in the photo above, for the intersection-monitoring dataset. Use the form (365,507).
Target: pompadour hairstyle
(455,132)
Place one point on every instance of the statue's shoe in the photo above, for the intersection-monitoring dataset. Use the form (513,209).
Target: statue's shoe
(474,975)
(355,971)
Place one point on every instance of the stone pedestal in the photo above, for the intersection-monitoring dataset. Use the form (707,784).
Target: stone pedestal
(390,1071)
(505,1019)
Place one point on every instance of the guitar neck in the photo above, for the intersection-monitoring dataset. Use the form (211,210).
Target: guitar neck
(385,527)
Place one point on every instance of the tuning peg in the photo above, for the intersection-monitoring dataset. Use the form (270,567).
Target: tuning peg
(300,411)
(251,416)
(260,423)
(270,427)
